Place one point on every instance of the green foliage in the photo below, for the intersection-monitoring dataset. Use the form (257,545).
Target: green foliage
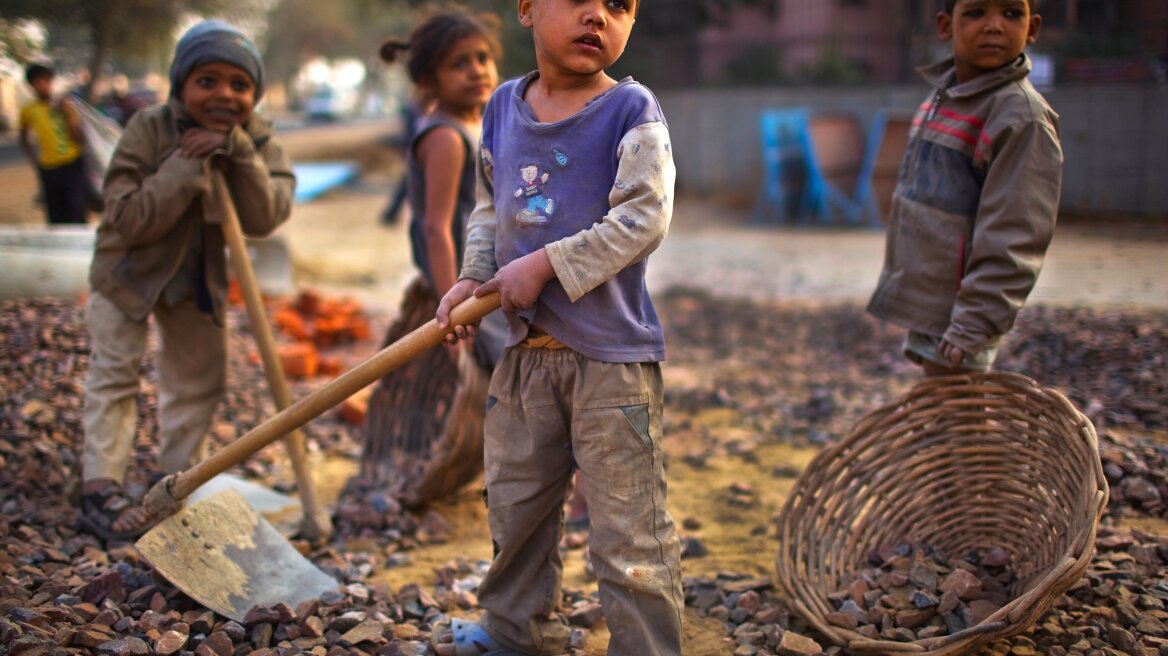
(682,17)
(138,34)
(128,29)
(16,43)
(757,65)
(834,69)
(299,30)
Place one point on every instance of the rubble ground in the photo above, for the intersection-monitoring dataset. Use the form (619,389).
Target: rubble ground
(753,390)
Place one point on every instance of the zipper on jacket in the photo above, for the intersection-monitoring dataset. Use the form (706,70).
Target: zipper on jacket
(937,96)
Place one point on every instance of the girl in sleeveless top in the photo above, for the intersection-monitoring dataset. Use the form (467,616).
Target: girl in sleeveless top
(450,57)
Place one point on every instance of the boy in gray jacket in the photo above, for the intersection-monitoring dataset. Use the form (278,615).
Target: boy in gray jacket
(159,252)
(977,198)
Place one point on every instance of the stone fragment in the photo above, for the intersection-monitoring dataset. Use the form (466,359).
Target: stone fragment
(107,586)
(842,620)
(219,643)
(367,631)
(923,575)
(923,599)
(995,557)
(406,632)
(347,620)
(128,646)
(312,627)
(261,635)
(911,619)
(171,642)
(794,644)
(91,636)
(962,583)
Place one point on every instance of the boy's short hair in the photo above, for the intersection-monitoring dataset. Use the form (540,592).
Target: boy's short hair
(36,72)
(948,5)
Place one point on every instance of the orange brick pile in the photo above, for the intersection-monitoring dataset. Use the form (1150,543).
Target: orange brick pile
(324,322)
(315,323)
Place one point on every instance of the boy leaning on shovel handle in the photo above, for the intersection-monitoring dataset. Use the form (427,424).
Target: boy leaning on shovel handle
(159,260)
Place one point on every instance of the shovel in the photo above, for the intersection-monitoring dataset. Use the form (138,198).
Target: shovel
(315,525)
(221,553)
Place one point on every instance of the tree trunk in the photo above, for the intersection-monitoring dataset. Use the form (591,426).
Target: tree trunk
(100,24)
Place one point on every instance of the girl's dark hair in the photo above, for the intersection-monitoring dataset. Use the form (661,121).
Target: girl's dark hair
(436,34)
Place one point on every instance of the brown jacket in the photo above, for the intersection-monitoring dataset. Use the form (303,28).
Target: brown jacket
(974,208)
(156,203)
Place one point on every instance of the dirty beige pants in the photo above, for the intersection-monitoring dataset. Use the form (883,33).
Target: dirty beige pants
(547,408)
(192,377)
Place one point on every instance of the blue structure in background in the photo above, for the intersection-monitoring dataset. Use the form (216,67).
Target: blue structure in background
(786,149)
(315,178)
(795,186)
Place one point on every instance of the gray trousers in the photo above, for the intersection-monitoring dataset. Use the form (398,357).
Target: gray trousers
(547,409)
(192,378)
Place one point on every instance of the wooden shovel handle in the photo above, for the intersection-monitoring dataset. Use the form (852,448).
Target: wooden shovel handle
(315,523)
(340,388)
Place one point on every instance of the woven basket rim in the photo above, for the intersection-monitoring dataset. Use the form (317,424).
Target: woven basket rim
(801,566)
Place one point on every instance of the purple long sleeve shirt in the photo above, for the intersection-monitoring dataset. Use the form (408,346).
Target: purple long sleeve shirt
(596,190)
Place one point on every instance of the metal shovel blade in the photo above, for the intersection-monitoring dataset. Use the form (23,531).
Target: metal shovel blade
(228,558)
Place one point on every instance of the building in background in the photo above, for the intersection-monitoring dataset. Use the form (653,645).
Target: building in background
(826,41)
(882,41)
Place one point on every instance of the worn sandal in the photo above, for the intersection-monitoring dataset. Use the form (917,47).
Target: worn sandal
(468,639)
(101,510)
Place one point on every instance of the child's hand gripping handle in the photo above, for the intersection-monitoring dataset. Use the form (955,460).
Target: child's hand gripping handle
(165,498)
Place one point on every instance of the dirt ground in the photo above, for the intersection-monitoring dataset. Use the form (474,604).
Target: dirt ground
(340,248)
(338,244)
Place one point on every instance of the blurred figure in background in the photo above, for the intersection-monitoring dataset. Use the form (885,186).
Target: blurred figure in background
(51,139)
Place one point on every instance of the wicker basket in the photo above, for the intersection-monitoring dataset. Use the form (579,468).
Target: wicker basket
(961,463)
(424,427)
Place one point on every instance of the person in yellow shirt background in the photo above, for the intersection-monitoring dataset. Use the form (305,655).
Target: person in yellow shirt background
(57,155)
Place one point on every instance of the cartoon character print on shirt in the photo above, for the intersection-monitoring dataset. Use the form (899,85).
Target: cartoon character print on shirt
(539,207)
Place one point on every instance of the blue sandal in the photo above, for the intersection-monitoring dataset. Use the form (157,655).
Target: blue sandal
(468,639)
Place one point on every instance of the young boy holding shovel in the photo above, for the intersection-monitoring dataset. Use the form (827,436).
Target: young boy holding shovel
(575,191)
(160,252)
